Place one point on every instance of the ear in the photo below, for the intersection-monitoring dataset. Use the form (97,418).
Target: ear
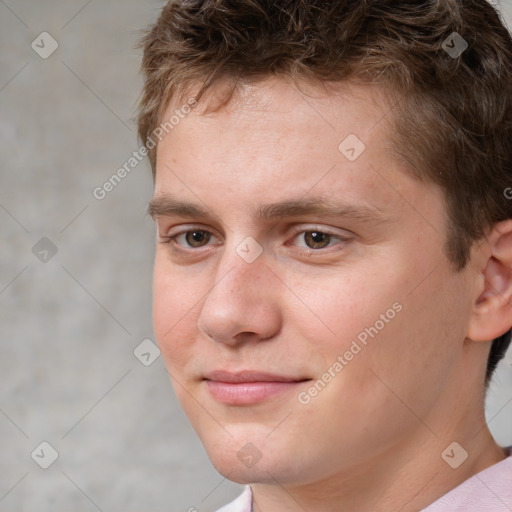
(492,311)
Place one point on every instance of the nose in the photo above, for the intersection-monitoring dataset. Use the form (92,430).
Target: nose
(242,304)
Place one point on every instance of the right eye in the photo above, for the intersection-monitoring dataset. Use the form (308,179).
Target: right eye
(188,239)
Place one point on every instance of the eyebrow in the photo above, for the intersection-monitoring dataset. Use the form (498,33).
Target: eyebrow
(167,205)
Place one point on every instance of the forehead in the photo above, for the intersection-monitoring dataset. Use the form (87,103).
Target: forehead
(276,139)
(271,101)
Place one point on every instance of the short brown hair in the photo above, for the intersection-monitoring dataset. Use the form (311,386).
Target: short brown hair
(453,111)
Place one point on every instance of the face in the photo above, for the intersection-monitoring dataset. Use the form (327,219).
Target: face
(303,303)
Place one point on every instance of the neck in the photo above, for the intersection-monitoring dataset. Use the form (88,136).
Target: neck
(407,477)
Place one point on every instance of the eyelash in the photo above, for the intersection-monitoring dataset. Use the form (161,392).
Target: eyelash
(170,240)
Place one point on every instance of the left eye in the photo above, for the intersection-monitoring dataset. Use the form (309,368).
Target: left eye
(317,239)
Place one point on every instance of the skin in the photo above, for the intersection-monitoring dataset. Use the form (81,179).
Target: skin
(372,438)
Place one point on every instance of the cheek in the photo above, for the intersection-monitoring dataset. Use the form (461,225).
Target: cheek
(173,307)
(333,310)
(415,352)
(386,317)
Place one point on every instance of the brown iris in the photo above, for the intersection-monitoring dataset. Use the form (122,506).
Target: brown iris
(197,238)
(317,239)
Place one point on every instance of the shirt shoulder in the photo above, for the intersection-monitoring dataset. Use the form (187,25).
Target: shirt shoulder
(487,491)
(242,504)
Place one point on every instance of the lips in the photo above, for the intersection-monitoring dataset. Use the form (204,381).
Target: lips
(248,387)
(249,376)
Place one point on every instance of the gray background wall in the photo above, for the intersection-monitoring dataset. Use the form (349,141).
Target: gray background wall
(70,321)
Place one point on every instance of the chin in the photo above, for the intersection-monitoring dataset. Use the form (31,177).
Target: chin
(236,471)
(252,459)
(243,476)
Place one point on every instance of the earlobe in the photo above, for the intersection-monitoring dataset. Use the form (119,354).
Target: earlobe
(492,311)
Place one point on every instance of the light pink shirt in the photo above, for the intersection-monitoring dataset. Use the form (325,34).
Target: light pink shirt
(487,491)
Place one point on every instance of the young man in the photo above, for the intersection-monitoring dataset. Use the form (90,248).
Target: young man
(333,272)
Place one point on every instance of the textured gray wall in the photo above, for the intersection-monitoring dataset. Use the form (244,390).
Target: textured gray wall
(70,321)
